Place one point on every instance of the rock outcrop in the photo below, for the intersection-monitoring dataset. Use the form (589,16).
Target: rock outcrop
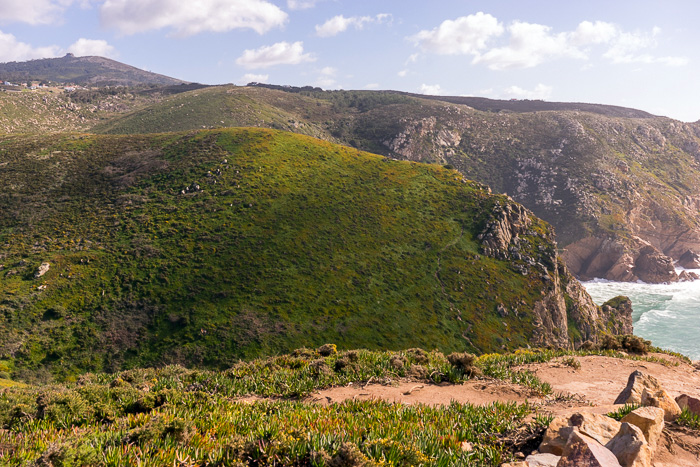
(566,315)
(646,390)
(584,439)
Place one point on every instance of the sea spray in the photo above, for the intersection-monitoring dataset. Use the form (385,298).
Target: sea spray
(666,314)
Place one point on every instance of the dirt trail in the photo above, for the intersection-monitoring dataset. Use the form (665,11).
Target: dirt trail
(593,387)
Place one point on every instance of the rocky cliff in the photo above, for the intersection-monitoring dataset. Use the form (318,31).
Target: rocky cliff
(620,192)
(565,315)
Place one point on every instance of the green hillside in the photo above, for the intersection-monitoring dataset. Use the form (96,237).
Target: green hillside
(204,247)
(612,181)
(224,107)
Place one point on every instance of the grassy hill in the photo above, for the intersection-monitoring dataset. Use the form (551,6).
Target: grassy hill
(611,180)
(204,247)
(82,70)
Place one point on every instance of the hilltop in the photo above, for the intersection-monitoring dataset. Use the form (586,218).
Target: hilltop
(620,186)
(205,247)
(89,71)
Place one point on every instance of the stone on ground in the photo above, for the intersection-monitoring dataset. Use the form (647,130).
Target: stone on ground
(630,447)
(598,427)
(648,419)
(584,451)
(663,400)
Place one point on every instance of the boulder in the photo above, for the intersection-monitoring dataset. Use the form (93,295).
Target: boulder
(584,451)
(689,260)
(542,460)
(636,383)
(43,269)
(648,419)
(515,464)
(687,276)
(654,267)
(599,427)
(663,400)
(630,447)
(691,404)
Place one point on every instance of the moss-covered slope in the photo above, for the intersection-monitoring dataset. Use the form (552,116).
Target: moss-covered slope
(203,247)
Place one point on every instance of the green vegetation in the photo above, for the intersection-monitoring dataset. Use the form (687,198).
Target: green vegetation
(205,247)
(689,419)
(620,413)
(255,413)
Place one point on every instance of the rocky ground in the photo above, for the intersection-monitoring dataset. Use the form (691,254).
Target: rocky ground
(591,388)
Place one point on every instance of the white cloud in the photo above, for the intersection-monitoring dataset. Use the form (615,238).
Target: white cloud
(189,18)
(340,23)
(372,86)
(529,46)
(599,32)
(12,50)
(253,78)
(301,4)
(626,46)
(541,91)
(431,89)
(281,53)
(465,35)
(402,73)
(32,11)
(89,47)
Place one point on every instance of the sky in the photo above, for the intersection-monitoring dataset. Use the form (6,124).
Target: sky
(642,54)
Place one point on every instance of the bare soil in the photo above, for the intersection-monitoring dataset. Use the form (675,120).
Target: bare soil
(593,387)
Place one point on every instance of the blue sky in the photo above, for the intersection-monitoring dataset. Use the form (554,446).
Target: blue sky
(640,54)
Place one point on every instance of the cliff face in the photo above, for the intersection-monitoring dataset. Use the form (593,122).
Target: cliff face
(565,315)
(620,192)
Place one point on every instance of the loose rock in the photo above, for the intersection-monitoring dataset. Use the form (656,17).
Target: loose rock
(637,382)
(631,447)
(691,404)
(650,420)
(43,269)
(663,400)
(584,451)
(542,460)
(599,427)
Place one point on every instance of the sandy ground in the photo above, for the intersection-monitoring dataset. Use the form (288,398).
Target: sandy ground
(591,388)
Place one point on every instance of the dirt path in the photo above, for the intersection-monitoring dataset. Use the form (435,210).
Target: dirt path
(592,388)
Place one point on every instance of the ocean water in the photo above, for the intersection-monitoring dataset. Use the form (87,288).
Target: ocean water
(666,314)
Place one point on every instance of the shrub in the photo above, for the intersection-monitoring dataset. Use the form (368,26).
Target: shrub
(572,362)
(610,343)
(418,355)
(635,344)
(327,350)
(464,362)
(628,343)
(397,361)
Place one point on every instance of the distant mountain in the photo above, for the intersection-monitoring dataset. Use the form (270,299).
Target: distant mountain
(82,70)
(528,105)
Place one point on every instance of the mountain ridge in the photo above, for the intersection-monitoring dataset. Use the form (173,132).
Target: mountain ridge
(87,70)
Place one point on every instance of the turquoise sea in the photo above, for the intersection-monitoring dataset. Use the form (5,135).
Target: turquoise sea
(666,314)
